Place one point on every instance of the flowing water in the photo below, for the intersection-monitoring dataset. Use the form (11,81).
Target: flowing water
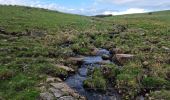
(76,81)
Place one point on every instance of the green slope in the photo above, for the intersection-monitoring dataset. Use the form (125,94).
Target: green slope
(19,18)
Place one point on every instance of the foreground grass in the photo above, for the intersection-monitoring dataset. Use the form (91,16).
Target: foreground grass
(35,40)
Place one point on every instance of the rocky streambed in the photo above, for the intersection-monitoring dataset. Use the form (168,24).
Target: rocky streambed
(89,63)
(74,87)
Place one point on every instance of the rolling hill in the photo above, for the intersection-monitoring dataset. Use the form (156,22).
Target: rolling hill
(34,42)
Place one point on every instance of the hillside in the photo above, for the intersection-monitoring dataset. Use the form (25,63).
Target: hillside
(18,18)
(36,43)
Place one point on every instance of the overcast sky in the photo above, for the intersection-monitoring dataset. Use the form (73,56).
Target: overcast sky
(93,7)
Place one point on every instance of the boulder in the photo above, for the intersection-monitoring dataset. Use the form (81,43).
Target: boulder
(116,51)
(62,89)
(122,58)
(76,60)
(166,48)
(66,98)
(46,96)
(145,63)
(68,69)
(105,57)
(94,51)
(104,62)
(58,85)
(52,79)
(57,93)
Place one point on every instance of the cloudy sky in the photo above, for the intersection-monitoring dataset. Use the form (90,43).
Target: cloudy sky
(93,7)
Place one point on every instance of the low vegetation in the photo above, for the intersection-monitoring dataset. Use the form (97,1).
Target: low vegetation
(34,41)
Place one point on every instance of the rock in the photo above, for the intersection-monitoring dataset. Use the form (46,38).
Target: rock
(94,51)
(58,85)
(57,93)
(66,98)
(128,56)
(76,60)
(51,80)
(46,96)
(166,48)
(65,89)
(145,63)
(104,62)
(69,91)
(103,52)
(82,98)
(105,57)
(122,58)
(42,88)
(68,69)
(116,51)
(41,84)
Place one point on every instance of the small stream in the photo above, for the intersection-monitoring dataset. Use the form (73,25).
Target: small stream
(76,81)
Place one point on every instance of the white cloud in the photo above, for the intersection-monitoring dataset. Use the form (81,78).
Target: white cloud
(117,1)
(36,3)
(128,11)
(98,6)
(14,2)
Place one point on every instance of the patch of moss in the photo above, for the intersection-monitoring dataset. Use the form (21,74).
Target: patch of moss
(110,71)
(155,83)
(159,95)
(53,71)
(127,82)
(96,81)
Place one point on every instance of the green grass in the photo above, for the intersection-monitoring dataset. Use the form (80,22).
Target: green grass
(25,57)
(96,81)
(18,19)
(146,37)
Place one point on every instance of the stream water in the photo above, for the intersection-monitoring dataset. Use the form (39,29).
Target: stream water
(76,81)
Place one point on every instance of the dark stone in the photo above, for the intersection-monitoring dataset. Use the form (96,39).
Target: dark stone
(105,57)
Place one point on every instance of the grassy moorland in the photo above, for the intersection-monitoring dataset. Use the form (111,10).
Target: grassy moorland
(33,42)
